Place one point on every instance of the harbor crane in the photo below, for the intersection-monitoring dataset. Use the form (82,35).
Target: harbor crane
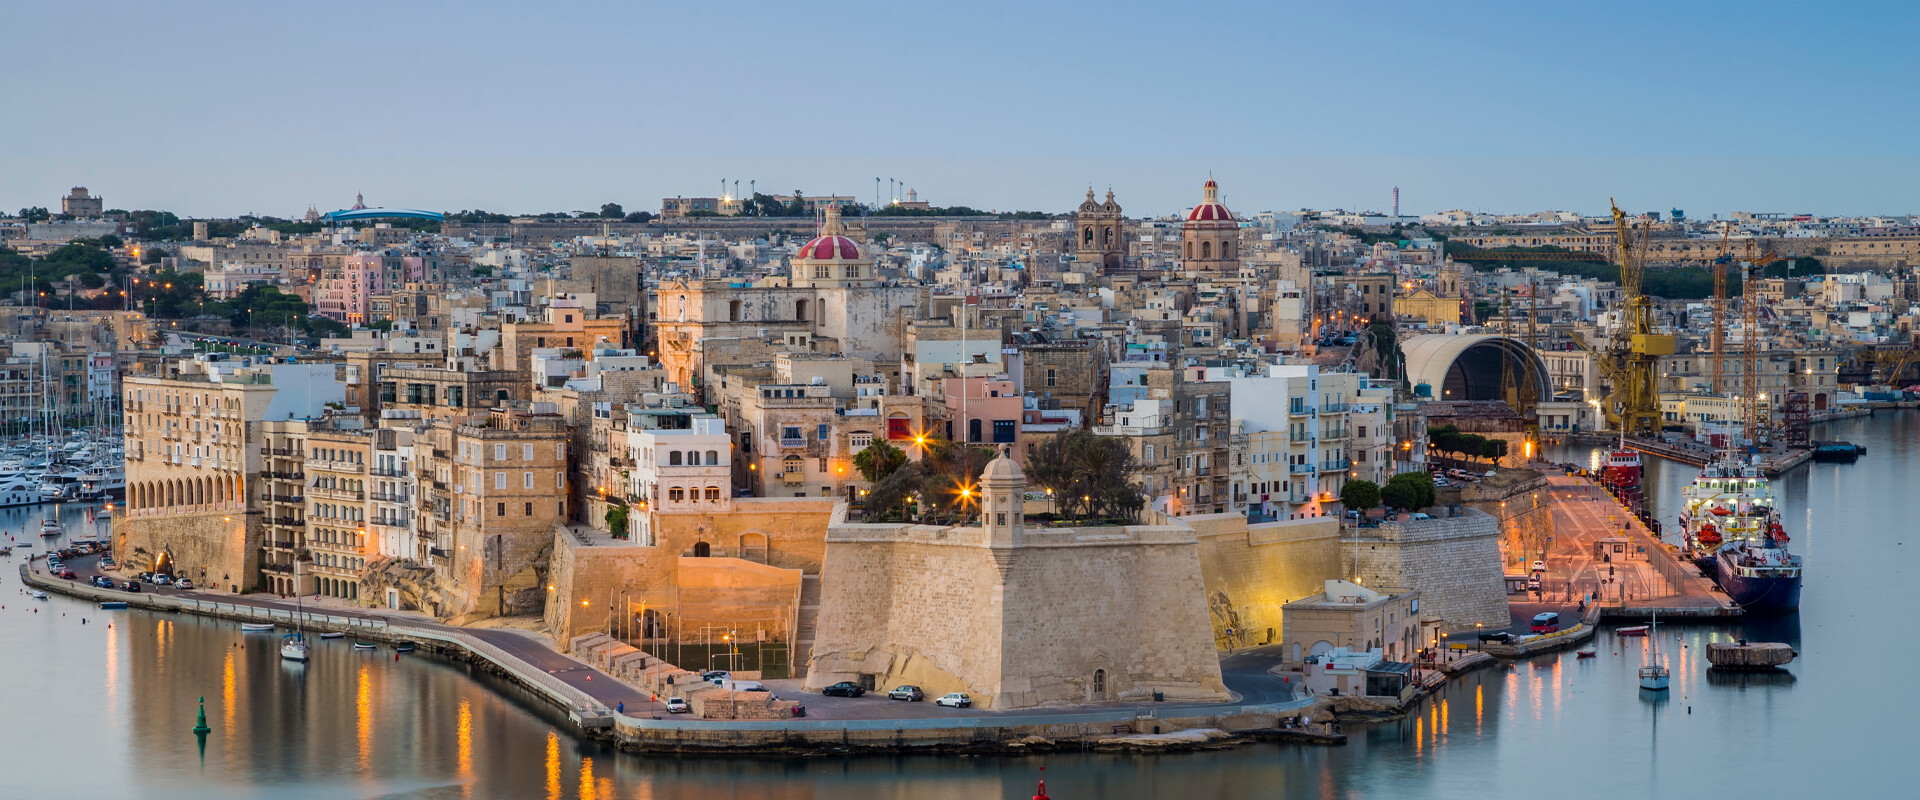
(1631,357)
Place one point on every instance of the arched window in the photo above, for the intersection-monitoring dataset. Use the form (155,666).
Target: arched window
(713,494)
(1189,249)
(673,458)
(713,458)
(1087,235)
(1206,249)
(1106,236)
(1099,684)
(702,550)
(800,310)
(676,494)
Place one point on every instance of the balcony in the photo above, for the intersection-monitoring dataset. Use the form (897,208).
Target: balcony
(1298,411)
(342,494)
(339,466)
(793,477)
(384,497)
(389,472)
(281,498)
(438,552)
(1300,469)
(1299,436)
(289,521)
(1333,433)
(793,442)
(1335,408)
(1340,465)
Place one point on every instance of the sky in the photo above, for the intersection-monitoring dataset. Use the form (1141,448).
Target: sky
(217,109)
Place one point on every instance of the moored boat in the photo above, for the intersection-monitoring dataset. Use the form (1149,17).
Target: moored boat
(1634,630)
(364,645)
(50,527)
(256,627)
(333,635)
(36,594)
(403,646)
(294,647)
(113,604)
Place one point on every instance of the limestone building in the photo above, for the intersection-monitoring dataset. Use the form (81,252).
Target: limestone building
(1210,238)
(1101,241)
(509,476)
(1016,617)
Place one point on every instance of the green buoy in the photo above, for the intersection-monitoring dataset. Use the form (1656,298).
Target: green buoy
(201,728)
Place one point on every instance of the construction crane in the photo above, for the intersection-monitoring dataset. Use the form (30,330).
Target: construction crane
(1631,358)
(1749,398)
(1719,383)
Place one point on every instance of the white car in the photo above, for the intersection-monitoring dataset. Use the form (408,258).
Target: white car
(678,705)
(954,700)
(1539,566)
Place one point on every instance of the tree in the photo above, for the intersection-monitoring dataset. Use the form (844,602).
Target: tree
(152,255)
(612,211)
(35,214)
(639,216)
(1088,474)
(1493,449)
(879,460)
(1408,490)
(617,521)
(1359,495)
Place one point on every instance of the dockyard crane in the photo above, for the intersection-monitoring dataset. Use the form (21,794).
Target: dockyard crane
(1631,358)
(1719,335)
(1749,398)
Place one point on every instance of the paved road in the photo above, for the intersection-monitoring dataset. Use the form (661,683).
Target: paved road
(1582,515)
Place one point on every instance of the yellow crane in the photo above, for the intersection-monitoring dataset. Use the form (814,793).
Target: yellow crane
(1719,384)
(1631,358)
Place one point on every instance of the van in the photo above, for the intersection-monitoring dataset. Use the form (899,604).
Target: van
(1546,623)
(742,686)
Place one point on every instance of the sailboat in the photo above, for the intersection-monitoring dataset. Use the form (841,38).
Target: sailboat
(1653,676)
(293,646)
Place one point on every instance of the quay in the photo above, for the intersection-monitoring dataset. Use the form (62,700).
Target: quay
(592,697)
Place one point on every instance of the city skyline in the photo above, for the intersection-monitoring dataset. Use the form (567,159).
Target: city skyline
(1297,106)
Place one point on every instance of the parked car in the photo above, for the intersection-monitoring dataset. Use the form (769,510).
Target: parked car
(144,576)
(907,693)
(1539,566)
(101,581)
(68,574)
(742,686)
(183,583)
(844,689)
(131,586)
(715,675)
(1545,623)
(1496,636)
(1533,582)
(163,579)
(678,705)
(1418,515)
(955,700)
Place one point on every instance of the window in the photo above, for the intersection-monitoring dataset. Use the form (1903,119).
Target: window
(823,465)
(973,430)
(526,480)
(1050,376)
(526,452)
(499,480)
(673,458)
(500,509)
(529,509)
(1362,431)
(713,494)
(499,452)
(713,458)
(824,432)
(899,428)
(676,494)
(559,481)
(1003,430)
(790,433)
(859,440)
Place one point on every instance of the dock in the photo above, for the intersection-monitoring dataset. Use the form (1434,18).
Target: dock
(1772,465)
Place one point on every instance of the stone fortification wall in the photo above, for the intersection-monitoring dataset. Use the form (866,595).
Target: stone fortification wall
(214,548)
(1454,563)
(1082,616)
(1250,572)
(1520,501)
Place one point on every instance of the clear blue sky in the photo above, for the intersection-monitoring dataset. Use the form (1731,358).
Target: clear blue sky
(217,109)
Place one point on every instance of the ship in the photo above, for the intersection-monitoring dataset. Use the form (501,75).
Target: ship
(1731,524)
(1621,475)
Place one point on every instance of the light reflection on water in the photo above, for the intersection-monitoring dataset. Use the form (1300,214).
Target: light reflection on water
(365,725)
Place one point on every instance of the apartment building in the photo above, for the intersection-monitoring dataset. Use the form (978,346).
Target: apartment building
(1178,430)
(509,471)
(681,462)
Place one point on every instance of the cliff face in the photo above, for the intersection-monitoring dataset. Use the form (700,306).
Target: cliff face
(414,583)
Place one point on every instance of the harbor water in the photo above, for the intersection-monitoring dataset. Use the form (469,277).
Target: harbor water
(104,708)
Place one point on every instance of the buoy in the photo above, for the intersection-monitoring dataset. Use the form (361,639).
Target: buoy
(200,727)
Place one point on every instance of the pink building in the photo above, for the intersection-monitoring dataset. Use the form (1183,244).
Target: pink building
(985,410)
(347,296)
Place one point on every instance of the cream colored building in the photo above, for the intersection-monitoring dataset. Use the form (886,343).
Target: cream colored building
(1355,617)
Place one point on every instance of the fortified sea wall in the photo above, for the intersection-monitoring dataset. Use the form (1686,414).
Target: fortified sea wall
(214,548)
(1453,562)
(1250,572)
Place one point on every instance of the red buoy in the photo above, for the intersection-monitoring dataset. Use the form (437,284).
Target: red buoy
(1042,793)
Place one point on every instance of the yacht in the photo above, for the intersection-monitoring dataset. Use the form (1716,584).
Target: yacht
(17,490)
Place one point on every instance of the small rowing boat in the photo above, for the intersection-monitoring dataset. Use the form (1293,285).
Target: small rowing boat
(364,645)
(1585,652)
(403,646)
(333,635)
(36,594)
(112,604)
(1636,630)
(256,627)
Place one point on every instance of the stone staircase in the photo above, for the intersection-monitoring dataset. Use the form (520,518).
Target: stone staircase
(803,628)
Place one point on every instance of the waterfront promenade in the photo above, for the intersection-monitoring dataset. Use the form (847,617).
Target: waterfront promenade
(595,699)
(1643,575)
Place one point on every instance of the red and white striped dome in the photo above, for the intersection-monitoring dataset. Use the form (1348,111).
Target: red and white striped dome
(828,248)
(1210,208)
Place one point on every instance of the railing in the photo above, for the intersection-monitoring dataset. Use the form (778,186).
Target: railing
(438,552)
(281,498)
(1299,436)
(797,442)
(1298,411)
(388,472)
(1300,469)
(338,466)
(384,497)
(1335,408)
(1337,465)
(1335,433)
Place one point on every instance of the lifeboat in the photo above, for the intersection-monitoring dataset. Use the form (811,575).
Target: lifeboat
(1721,511)
(1708,535)
(1778,533)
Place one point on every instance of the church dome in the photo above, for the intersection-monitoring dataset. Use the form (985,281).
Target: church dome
(829,247)
(1210,210)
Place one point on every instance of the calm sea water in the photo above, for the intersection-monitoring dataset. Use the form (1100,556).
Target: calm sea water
(99,711)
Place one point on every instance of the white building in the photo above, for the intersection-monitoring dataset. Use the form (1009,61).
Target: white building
(682,462)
